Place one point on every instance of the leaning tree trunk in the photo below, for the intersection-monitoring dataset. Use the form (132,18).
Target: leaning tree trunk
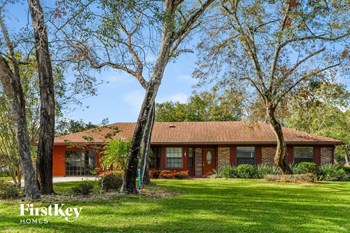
(281,149)
(145,147)
(170,37)
(13,89)
(129,182)
(47,99)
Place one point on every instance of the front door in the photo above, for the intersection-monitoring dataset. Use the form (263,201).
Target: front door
(209,160)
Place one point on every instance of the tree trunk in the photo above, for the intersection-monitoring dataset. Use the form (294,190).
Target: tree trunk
(145,147)
(170,36)
(13,89)
(347,153)
(281,149)
(19,177)
(129,182)
(47,99)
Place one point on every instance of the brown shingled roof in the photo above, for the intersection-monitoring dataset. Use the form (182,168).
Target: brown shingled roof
(216,133)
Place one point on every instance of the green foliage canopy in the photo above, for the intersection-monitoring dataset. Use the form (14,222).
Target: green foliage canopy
(115,154)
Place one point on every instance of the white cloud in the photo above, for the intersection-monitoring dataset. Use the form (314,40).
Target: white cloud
(134,99)
(178,97)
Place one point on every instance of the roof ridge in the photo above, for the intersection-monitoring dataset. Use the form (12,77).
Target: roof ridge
(200,132)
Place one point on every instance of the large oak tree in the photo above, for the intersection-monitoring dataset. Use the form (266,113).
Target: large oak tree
(10,79)
(274,46)
(47,98)
(125,35)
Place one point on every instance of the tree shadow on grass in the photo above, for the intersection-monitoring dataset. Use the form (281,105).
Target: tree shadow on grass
(204,207)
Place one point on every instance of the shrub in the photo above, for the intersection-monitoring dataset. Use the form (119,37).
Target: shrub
(305,167)
(346,169)
(263,170)
(247,171)
(4,173)
(154,174)
(115,154)
(181,175)
(228,172)
(329,172)
(307,177)
(8,190)
(83,188)
(111,181)
(167,174)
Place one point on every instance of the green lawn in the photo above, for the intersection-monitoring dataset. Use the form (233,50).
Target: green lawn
(205,205)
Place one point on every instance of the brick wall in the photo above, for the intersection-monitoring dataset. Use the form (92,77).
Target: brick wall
(198,162)
(223,157)
(326,155)
(267,155)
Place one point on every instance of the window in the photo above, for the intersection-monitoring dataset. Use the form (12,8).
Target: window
(303,154)
(245,155)
(174,157)
(191,152)
(80,163)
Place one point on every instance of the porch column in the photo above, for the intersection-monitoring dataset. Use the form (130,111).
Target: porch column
(223,157)
(326,155)
(268,155)
(198,162)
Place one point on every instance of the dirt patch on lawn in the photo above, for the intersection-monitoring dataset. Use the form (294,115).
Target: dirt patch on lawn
(149,191)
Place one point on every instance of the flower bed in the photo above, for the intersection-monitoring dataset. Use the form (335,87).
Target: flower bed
(168,174)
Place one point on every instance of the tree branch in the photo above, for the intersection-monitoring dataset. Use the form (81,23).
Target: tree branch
(188,25)
(250,44)
(315,72)
(74,16)
(290,71)
(139,65)
(278,47)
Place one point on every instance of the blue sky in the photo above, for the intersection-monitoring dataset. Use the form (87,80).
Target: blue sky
(120,96)
(119,99)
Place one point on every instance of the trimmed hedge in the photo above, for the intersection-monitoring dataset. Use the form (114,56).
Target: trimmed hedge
(168,174)
(301,171)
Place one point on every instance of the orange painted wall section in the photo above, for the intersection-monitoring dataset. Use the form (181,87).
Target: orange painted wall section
(59,161)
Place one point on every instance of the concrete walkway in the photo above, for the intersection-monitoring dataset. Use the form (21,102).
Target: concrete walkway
(61,179)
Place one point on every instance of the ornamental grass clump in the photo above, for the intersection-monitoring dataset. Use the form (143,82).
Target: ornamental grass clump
(330,172)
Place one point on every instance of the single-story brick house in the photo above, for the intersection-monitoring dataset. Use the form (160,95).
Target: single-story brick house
(199,147)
